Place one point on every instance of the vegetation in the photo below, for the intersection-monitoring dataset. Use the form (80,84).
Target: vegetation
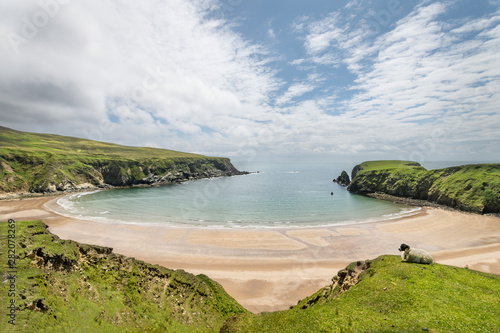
(391,296)
(474,188)
(31,162)
(63,286)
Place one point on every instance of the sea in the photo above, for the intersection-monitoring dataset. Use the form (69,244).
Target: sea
(274,195)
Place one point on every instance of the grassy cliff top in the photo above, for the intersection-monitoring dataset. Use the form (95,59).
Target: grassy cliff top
(389,165)
(471,187)
(391,296)
(58,144)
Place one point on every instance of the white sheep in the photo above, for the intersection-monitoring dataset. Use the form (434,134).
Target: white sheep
(415,255)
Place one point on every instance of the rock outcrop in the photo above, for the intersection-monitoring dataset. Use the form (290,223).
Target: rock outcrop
(343,179)
(32,163)
(343,281)
(473,188)
(51,173)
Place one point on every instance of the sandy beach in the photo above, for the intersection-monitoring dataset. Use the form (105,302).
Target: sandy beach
(271,269)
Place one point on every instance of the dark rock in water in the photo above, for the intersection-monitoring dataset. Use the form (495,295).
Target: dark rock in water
(343,179)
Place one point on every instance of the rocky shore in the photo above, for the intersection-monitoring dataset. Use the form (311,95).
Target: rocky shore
(33,164)
(127,174)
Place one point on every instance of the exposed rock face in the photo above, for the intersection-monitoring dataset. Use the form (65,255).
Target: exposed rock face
(343,179)
(343,281)
(37,305)
(355,170)
(57,262)
(472,188)
(348,277)
(51,175)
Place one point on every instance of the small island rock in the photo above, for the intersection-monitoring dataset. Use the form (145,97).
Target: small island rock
(343,179)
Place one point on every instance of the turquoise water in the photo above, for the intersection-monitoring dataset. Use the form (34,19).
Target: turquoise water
(281,194)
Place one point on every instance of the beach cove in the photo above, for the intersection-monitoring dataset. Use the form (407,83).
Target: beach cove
(269,269)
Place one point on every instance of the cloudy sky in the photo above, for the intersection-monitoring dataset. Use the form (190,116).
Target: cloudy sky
(415,80)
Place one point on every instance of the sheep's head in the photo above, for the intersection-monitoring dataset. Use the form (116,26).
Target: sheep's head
(403,247)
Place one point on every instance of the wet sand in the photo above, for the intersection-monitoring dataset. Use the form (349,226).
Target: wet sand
(271,269)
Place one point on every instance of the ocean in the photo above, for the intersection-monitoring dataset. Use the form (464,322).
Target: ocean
(278,194)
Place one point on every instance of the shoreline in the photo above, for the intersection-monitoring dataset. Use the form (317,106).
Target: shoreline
(183,225)
(269,269)
(82,188)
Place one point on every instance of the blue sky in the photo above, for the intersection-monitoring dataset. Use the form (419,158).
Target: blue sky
(354,79)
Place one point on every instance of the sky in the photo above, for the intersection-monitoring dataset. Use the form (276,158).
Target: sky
(358,79)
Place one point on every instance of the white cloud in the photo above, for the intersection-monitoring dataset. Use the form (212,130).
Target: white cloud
(324,33)
(170,65)
(410,79)
(295,90)
(172,74)
(271,33)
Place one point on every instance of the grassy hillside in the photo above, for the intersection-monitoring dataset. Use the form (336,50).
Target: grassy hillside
(391,296)
(474,187)
(31,162)
(58,144)
(63,286)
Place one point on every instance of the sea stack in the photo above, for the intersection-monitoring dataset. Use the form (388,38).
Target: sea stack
(343,179)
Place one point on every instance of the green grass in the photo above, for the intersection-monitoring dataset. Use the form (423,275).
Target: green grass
(88,289)
(474,187)
(393,296)
(31,162)
(57,144)
(389,165)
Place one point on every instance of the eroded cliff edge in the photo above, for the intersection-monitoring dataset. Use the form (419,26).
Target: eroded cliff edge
(60,285)
(33,163)
(472,188)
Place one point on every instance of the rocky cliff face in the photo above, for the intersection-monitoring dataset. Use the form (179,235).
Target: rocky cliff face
(48,173)
(474,188)
(44,163)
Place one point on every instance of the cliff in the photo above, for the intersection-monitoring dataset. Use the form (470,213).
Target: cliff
(64,286)
(44,163)
(474,188)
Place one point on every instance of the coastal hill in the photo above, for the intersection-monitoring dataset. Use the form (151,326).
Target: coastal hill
(64,286)
(388,295)
(473,188)
(41,163)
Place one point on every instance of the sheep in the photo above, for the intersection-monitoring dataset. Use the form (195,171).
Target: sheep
(415,255)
